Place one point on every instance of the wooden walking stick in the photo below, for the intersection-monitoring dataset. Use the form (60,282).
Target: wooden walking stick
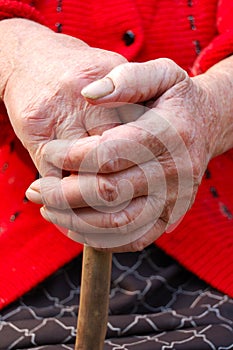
(94,299)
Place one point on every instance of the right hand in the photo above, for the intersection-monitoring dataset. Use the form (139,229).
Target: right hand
(44,73)
(143,175)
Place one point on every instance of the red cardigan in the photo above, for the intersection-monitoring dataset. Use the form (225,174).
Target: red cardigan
(194,33)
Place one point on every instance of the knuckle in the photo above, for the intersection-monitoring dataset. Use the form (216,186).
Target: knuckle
(106,189)
(110,166)
(66,160)
(118,59)
(167,211)
(122,68)
(122,77)
(167,61)
(52,194)
(72,220)
(121,221)
(138,245)
(169,64)
(114,154)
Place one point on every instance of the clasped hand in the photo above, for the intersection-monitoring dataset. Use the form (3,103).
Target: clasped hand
(127,186)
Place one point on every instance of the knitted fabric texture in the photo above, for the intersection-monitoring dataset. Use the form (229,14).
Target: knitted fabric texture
(23,9)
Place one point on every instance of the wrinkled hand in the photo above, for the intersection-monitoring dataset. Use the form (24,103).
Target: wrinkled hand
(136,179)
(42,94)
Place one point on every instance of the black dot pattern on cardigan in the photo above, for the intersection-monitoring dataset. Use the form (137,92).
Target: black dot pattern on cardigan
(4,169)
(192,22)
(59,5)
(222,207)
(193,27)
(59,25)
(14,216)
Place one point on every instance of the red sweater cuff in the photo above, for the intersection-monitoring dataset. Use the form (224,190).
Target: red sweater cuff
(220,48)
(12,9)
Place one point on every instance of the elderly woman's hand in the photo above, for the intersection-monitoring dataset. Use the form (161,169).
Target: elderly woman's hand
(42,74)
(137,179)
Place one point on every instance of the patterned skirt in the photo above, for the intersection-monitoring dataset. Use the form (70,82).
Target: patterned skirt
(155,304)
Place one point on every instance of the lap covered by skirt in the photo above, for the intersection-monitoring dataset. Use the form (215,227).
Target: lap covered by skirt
(155,304)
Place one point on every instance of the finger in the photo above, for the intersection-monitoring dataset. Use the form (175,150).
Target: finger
(109,190)
(135,82)
(56,192)
(117,149)
(111,242)
(149,236)
(152,136)
(69,154)
(119,221)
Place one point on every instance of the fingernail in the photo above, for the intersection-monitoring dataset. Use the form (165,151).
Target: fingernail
(98,89)
(34,196)
(46,214)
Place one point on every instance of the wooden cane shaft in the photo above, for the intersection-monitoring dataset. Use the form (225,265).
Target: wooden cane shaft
(94,299)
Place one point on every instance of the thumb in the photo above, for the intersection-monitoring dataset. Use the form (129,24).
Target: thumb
(135,82)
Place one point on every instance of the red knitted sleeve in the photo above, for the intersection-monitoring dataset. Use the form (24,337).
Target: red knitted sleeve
(222,45)
(23,9)
(11,9)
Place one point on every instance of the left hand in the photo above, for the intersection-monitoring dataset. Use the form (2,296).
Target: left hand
(42,74)
(136,179)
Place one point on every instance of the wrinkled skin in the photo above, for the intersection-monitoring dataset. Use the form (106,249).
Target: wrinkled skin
(136,179)
(44,73)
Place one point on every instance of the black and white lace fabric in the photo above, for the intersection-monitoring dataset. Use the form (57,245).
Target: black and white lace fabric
(155,304)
